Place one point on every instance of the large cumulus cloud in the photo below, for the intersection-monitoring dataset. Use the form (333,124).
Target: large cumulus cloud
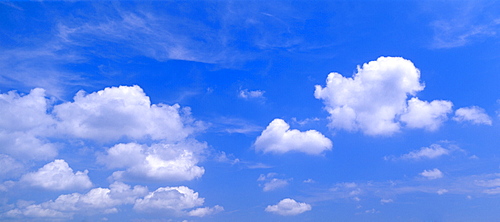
(375,100)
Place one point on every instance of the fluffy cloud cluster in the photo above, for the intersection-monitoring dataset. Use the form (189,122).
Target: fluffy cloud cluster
(29,122)
(473,114)
(375,100)
(165,162)
(57,175)
(279,138)
(171,200)
(288,207)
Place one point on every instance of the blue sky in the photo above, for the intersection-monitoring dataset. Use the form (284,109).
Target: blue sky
(249,111)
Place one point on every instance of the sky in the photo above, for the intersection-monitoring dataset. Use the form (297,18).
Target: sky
(249,110)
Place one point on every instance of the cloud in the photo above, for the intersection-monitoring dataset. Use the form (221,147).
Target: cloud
(375,98)
(205,211)
(57,175)
(442,191)
(125,111)
(385,201)
(272,183)
(160,162)
(278,138)
(432,174)
(175,200)
(431,152)
(465,23)
(10,167)
(473,114)
(97,200)
(24,123)
(422,114)
(288,207)
(246,94)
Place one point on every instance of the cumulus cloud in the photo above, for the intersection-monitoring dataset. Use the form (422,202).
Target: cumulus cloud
(176,200)
(374,100)
(432,174)
(278,138)
(97,200)
(422,114)
(24,121)
(124,111)
(162,162)
(473,114)
(169,198)
(28,123)
(288,207)
(24,112)
(57,175)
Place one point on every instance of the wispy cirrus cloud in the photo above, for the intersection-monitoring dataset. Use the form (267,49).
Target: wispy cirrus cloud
(464,23)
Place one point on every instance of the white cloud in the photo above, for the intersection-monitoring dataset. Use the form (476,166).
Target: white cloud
(124,111)
(57,175)
(162,162)
(465,23)
(288,207)
(376,96)
(247,94)
(422,114)
(205,211)
(169,198)
(97,200)
(23,124)
(473,114)
(442,191)
(431,152)
(24,112)
(278,138)
(432,174)
(385,201)
(10,167)
(274,183)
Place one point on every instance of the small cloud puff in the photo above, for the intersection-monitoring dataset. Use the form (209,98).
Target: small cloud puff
(57,175)
(432,174)
(278,138)
(473,114)
(247,94)
(288,207)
